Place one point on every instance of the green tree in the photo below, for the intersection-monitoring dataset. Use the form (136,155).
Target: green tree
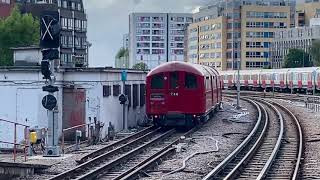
(17,30)
(315,52)
(122,53)
(140,66)
(297,58)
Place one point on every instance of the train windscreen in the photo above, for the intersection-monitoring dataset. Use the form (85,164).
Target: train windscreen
(157,81)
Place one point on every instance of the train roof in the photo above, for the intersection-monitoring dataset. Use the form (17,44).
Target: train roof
(183,66)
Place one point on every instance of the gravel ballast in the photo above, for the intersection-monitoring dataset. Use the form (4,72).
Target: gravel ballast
(222,134)
(310,122)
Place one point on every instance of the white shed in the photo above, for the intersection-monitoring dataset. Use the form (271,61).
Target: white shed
(84,95)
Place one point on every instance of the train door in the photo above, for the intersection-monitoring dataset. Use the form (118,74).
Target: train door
(217,80)
(174,95)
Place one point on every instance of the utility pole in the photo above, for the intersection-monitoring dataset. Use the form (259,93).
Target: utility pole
(314,73)
(238,85)
(49,43)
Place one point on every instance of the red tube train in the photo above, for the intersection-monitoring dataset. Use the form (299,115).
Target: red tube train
(182,94)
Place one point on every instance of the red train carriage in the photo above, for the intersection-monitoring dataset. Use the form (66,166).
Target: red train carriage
(182,94)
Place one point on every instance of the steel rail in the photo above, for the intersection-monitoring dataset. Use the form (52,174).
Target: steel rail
(231,156)
(253,149)
(166,151)
(276,149)
(300,134)
(102,170)
(113,145)
(96,160)
(272,158)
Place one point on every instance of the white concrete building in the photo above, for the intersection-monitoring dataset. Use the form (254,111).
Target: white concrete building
(155,38)
(292,38)
(125,43)
(84,94)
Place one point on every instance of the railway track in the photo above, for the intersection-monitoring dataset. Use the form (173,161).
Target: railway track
(285,96)
(126,159)
(115,145)
(272,150)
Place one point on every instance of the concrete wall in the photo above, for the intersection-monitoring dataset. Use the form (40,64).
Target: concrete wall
(21,94)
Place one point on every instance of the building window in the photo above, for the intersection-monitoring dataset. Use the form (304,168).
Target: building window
(106,91)
(143,19)
(65,4)
(70,41)
(64,23)
(135,96)
(84,25)
(73,6)
(70,24)
(142,94)
(59,3)
(116,90)
(128,93)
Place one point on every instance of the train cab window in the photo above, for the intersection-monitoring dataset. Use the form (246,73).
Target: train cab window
(157,82)
(174,80)
(191,81)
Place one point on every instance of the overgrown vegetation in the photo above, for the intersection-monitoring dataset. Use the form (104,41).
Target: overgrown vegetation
(297,58)
(17,30)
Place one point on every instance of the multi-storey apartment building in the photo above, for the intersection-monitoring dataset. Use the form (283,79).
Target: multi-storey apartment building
(207,39)
(73,20)
(249,28)
(306,11)
(6,7)
(155,38)
(125,41)
(259,24)
(293,38)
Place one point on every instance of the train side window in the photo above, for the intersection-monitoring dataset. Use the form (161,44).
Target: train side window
(190,81)
(157,82)
(174,80)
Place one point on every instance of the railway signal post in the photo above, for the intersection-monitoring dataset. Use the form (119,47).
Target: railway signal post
(49,43)
(123,99)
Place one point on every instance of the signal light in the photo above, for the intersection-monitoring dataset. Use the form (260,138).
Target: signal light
(50,29)
(50,54)
(45,69)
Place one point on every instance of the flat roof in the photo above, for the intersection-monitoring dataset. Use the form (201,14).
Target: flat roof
(90,69)
(25,48)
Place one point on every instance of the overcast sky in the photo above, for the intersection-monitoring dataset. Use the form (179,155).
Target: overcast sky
(108,20)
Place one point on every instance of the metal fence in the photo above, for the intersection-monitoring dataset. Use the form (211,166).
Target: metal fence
(25,144)
(313,103)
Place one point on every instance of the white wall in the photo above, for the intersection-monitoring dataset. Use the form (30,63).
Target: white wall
(21,94)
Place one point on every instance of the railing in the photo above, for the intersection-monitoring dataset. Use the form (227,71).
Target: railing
(72,128)
(313,103)
(26,138)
